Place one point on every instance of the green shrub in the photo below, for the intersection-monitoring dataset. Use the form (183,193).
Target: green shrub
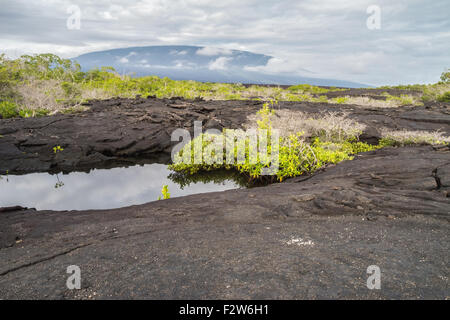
(340,100)
(296,156)
(435,92)
(403,99)
(8,109)
(445,97)
(28,113)
(307,88)
(323,99)
(445,76)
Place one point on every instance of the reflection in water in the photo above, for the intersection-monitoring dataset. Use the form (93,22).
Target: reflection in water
(215,177)
(104,188)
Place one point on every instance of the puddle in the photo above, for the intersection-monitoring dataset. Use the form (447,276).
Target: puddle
(105,188)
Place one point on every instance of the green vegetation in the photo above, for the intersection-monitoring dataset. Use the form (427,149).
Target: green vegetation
(165,192)
(306,144)
(8,109)
(445,76)
(298,154)
(428,92)
(57,149)
(445,97)
(307,88)
(403,99)
(340,100)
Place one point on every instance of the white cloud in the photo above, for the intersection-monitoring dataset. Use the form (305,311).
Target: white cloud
(178,53)
(275,65)
(125,59)
(211,51)
(107,15)
(219,64)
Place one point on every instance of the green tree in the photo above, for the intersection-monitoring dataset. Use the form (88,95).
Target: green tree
(445,76)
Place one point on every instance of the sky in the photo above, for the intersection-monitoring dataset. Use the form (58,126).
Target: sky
(372,42)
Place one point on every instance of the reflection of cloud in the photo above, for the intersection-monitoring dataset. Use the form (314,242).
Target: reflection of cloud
(219,64)
(99,189)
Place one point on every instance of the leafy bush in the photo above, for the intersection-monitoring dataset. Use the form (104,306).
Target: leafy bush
(445,97)
(402,100)
(340,100)
(445,76)
(296,156)
(307,88)
(28,113)
(8,109)
(330,143)
(435,92)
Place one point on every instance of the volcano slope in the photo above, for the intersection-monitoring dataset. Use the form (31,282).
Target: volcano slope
(306,238)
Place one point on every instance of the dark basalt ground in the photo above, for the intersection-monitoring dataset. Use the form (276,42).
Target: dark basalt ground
(309,237)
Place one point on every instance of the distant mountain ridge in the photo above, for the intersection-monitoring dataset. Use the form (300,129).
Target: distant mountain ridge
(207,64)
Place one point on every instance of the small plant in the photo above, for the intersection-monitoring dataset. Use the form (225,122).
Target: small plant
(57,149)
(8,109)
(165,192)
(265,114)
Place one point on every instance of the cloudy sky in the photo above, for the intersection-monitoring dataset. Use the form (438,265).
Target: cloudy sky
(327,39)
